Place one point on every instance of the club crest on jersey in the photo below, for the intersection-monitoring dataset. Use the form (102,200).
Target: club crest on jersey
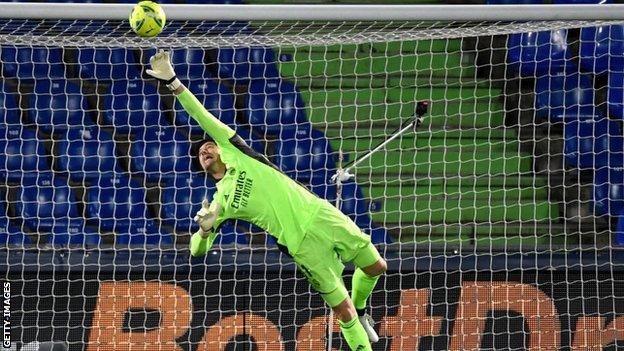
(232,171)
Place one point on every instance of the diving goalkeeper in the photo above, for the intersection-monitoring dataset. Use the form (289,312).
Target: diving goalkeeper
(313,232)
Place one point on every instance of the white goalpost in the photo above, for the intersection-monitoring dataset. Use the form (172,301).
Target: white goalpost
(480,146)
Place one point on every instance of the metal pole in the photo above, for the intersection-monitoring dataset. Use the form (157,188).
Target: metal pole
(322,12)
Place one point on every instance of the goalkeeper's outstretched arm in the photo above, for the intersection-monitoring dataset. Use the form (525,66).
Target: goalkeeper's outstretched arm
(162,70)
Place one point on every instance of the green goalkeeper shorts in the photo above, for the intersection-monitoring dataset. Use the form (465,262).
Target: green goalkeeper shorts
(332,239)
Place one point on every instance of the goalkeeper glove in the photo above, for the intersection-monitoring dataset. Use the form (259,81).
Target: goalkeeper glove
(163,71)
(202,241)
(207,216)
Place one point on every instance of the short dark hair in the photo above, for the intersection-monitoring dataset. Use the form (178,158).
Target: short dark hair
(195,146)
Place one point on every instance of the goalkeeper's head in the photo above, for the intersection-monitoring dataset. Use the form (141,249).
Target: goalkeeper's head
(208,155)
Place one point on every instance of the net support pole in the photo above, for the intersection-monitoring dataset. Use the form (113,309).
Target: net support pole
(342,174)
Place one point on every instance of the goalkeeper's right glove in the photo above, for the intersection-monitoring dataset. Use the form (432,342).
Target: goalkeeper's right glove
(202,241)
(163,70)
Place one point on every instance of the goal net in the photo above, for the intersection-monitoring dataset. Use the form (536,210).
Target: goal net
(499,215)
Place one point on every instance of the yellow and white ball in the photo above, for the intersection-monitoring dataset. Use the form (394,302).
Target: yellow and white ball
(147,19)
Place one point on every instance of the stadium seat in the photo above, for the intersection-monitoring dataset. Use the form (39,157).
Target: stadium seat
(189,63)
(10,234)
(181,198)
(31,62)
(602,48)
(215,97)
(133,104)
(21,153)
(159,152)
(609,191)
(48,207)
(591,144)
(255,142)
(274,104)
(615,99)
(9,109)
(120,207)
(565,97)
(535,54)
(56,105)
(86,154)
(107,64)
(305,156)
(246,63)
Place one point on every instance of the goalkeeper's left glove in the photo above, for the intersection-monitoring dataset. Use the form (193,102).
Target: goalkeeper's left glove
(202,241)
(207,216)
(163,70)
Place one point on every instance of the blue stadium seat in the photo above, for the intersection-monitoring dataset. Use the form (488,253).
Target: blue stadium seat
(305,156)
(215,97)
(602,48)
(565,97)
(58,105)
(189,63)
(31,62)
(609,191)
(86,154)
(9,109)
(159,152)
(21,153)
(48,207)
(133,104)
(275,104)
(591,144)
(615,99)
(181,198)
(246,63)
(252,140)
(535,54)
(10,234)
(120,207)
(107,64)
(231,233)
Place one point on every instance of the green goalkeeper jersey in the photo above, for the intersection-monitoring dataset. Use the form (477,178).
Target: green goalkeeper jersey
(253,189)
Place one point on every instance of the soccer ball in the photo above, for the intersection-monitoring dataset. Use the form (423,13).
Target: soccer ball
(147,19)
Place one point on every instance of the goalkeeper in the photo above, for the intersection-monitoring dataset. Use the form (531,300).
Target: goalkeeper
(313,232)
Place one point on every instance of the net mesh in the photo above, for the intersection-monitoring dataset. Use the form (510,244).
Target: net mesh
(516,171)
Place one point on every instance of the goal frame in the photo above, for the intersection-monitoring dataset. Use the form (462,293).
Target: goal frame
(322,12)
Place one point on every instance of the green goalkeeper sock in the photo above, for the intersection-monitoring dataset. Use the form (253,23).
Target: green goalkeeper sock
(362,286)
(355,335)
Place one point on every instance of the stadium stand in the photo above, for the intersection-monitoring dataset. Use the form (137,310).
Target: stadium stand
(593,144)
(32,62)
(246,63)
(565,96)
(119,205)
(48,208)
(534,54)
(159,152)
(10,114)
(274,104)
(86,154)
(108,64)
(21,153)
(132,104)
(57,104)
